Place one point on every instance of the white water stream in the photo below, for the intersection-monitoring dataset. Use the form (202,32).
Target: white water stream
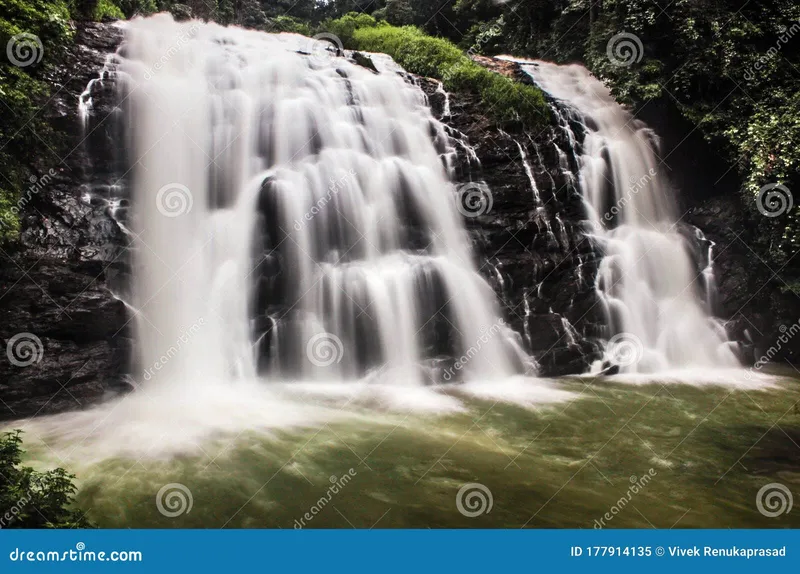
(294,217)
(657,301)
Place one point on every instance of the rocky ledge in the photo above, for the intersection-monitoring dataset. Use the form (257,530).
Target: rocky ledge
(66,337)
(530,240)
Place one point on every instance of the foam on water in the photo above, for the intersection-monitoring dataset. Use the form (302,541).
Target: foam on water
(736,379)
(164,422)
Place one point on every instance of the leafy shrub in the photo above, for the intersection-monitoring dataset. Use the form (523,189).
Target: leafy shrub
(107,10)
(346,26)
(506,99)
(22,129)
(33,499)
(288,24)
(142,7)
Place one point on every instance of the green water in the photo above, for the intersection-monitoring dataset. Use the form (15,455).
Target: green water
(707,451)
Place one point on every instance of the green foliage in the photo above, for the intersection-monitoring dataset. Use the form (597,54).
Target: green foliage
(48,19)
(107,10)
(300,9)
(338,8)
(397,13)
(506,99)
(344,28)
(548,28)
(411,48)
(99,10)
(9,215)
(224,11)
(435,17)
(24,134)
(485,38)
(33,499)
(288,24)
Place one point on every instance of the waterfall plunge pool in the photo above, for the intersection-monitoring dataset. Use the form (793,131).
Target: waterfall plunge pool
(557,453)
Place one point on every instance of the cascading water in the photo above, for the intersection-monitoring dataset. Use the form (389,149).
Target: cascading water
(281,196)
(657,310)
(294,216)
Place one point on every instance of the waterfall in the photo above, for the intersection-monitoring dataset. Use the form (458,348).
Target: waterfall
(656,300)
(294,217)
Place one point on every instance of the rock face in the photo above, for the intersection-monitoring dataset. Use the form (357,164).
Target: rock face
(66,337)
(531,245)
(760,310)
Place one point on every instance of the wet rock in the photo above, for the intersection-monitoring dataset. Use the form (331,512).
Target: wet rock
(66,338)
(364,61)
(181,12)
(534,253)
(609,369)
(761,312)
(56,303)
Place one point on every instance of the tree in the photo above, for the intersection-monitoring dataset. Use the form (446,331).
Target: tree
(302,9)
(398,12)
(33,499)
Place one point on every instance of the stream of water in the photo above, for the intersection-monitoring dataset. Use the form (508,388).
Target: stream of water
(656,300)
